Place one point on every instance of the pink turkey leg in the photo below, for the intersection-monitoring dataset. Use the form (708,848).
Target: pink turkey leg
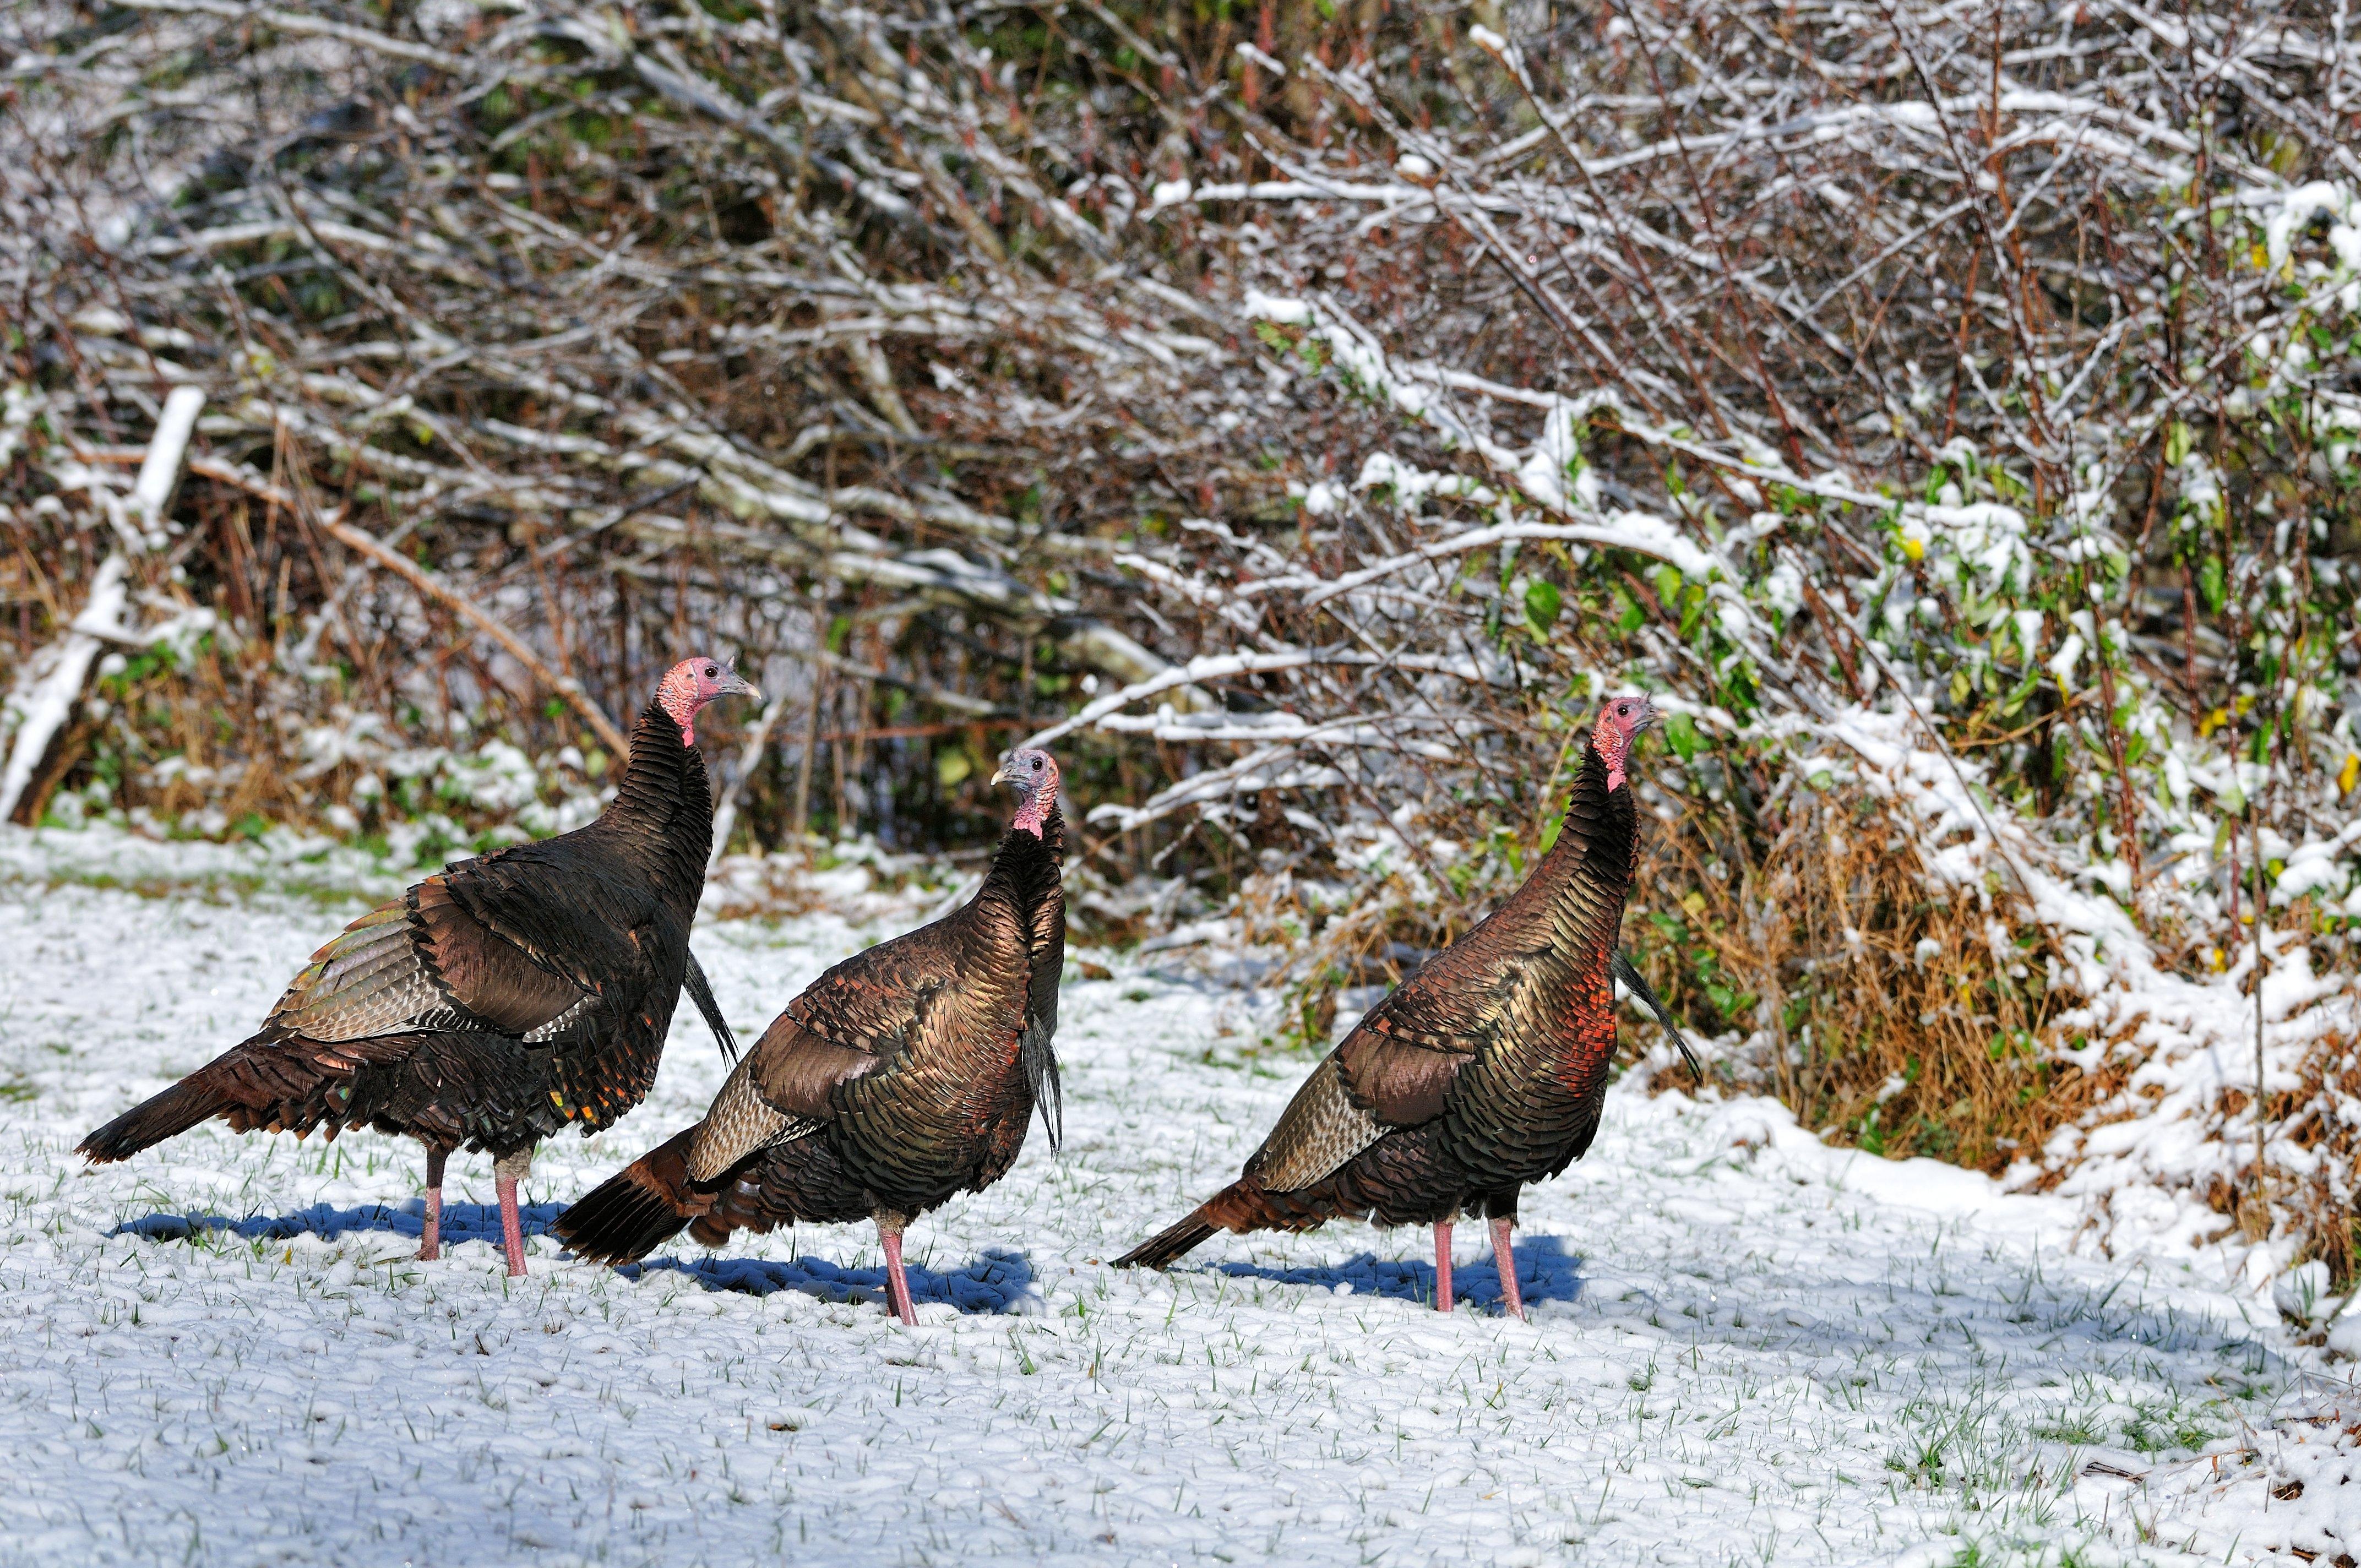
(1443,1265)
(897,1284)
(506,1173)
(1504,1258)
(430,1246)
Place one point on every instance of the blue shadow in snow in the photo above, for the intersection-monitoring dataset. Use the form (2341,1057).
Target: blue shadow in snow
(993,1283)
(461,1223)
(1545,1272)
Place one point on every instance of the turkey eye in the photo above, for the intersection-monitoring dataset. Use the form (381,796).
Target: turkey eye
(1037,764)
(710,671)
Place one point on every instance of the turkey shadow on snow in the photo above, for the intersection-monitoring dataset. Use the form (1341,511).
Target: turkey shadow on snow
(1546,1271)
(999,1281)
(461,1223)
(996,1282)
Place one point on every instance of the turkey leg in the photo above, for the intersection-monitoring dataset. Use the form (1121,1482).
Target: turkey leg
(898,1283)
(1443,1265)
(1504,1258)
(430,1247)
(507,1171)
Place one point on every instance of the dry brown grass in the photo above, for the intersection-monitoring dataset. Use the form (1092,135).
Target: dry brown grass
(1910,1018)
(1905,1017)
(2316,1203)
(209,713)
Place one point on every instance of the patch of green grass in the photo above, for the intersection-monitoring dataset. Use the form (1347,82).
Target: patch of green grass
(218,887)
(2168,1428)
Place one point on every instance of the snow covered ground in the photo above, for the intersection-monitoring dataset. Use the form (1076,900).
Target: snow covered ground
(1747,1348)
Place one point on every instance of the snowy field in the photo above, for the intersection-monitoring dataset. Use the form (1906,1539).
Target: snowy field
(1746,1348)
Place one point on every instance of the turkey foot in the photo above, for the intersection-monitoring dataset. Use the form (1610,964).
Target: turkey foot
(1504,1258)
(898,1283)
(1443,1265)
(430,1246)
(507,1171)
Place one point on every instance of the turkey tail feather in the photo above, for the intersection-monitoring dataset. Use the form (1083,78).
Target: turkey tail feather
(1637,984)
(196,1097)
(638,1208)
(1038,1059)
(1169,1246)
(700,991)
(1053,1108)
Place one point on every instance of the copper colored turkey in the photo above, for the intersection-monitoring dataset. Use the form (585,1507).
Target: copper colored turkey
(903,1075)
(1482,1072)
(497,1001)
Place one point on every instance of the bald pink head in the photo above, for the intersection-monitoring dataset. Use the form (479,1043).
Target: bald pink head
(1619,725)
(1034,775)
(688,685)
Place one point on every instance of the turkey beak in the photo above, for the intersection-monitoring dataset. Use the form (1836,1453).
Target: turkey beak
(735,685)
(1000,776)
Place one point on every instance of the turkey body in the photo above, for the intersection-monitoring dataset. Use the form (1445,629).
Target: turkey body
(901,1077)
(1481,1074)
(489,1005)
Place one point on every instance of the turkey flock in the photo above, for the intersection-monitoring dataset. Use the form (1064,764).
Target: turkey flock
(509,995)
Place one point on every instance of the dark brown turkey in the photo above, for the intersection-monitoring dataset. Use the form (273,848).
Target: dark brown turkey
(497,1001)
(1482,1072)
(906,1074)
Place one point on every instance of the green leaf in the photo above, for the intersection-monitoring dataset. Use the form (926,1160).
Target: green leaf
(1629,617)
(1549,831)
(953,767)
(1543,602)
(2209,582)
(2176,443)
(1737,691)
(1681,735)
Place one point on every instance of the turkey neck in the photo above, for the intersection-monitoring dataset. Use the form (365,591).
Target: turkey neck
(1025,868)
(662,819)
(1593,855)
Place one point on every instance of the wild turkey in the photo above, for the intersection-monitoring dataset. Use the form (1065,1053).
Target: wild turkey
(1485,1070)
(903,1075)
(496,1001)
